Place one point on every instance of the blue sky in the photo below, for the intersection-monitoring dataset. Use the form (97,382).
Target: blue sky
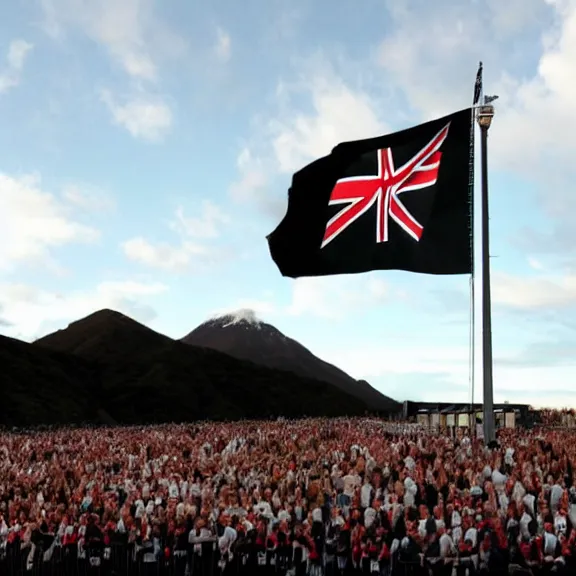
(147,148)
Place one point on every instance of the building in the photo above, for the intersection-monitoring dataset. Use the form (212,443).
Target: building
(447,415)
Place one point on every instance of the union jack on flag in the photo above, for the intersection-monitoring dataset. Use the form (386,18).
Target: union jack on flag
(360,193)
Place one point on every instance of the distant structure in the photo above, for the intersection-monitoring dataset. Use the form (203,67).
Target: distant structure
(461,415)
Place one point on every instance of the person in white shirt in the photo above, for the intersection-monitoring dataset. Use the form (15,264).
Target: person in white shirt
(556,494)
(3,532)
(366,493)
(525,520)
(447,547)
(471,535)
(226,540)
(550,544)
(410,491)
(173,491)
(560,523)
(456,523)
(369,516)
(351,482)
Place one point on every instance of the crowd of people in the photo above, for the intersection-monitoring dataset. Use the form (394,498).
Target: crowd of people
(552,417)
(339,496)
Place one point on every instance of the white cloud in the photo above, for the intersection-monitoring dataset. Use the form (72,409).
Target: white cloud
(252,177)
(253,186)
(15,59)
(339,113)
(252,182)
(542,353)
(223,45)
(207,225)
(135,38)
(286,143)
(88,198)
(131,32)
(335,297)
(533,292)
(368,362)
(527,47)
(34,221)
(542,291)
(436,69)
(162,255)
(186,254)
(430,372)
(33,312)
(536,126)
(17,53)
(329,298)
(248,310)
(144,117)
(535,264)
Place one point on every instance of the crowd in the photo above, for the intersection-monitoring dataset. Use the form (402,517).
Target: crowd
(565,417)
(343,496)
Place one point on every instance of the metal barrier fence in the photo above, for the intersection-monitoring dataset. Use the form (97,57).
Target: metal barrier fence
(123,560)
(131,560)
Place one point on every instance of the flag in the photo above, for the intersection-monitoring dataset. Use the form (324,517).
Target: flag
(401,201)
(478,85)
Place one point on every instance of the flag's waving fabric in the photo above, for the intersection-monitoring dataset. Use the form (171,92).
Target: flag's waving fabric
(400,201)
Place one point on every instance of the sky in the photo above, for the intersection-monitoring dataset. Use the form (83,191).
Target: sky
(146,149)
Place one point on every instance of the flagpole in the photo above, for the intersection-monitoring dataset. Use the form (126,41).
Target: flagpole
(484,116)
(472,352)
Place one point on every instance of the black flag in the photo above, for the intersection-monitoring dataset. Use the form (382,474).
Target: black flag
(478,85)
(400,201)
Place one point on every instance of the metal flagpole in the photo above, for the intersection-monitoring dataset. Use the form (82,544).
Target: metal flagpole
(484,116)
(472,359)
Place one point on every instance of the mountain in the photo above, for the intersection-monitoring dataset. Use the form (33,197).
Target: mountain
(43,386)
(243,336)
(137,375)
